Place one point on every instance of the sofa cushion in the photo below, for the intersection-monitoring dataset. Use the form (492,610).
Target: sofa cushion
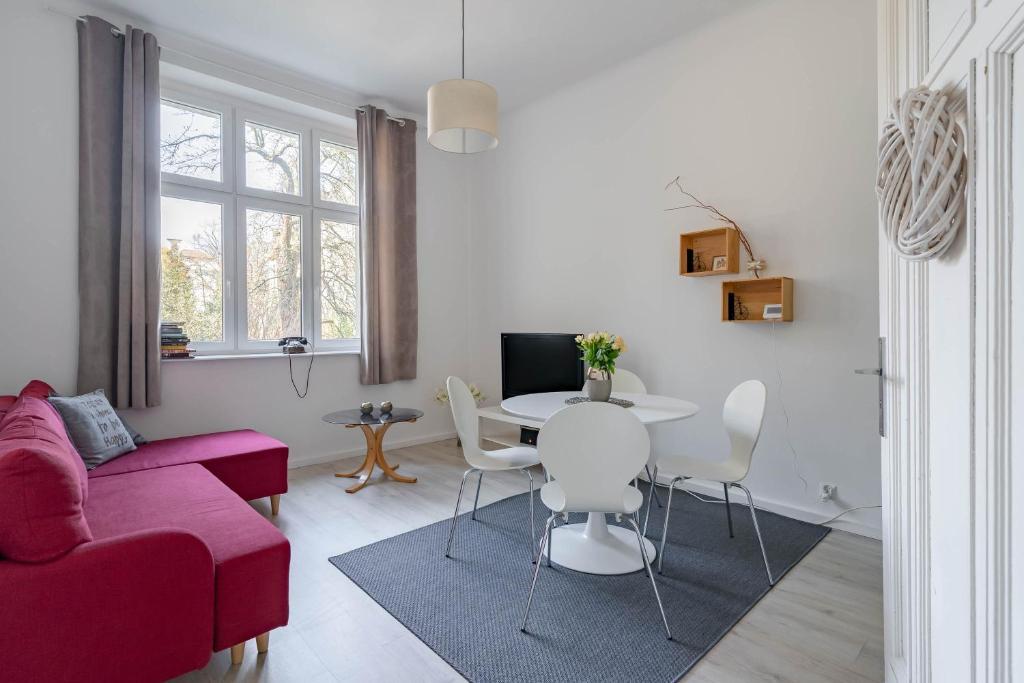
(37,388)
(250,555)
(43,485)
(94,427)
(251,464)
(5,404)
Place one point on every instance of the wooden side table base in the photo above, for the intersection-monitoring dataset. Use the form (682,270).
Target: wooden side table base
(374,456)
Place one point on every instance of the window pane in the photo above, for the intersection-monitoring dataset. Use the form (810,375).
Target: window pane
(272,159)
(339,280)
(190,142)
(338,175)
(273,261)
(191,259)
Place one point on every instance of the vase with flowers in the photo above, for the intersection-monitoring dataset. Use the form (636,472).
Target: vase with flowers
(600,349)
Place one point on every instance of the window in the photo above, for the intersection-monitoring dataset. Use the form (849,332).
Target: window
(273,274)
(260,226)
(338,175)
(339,279)
(192,266)
(272,159)
(190,141)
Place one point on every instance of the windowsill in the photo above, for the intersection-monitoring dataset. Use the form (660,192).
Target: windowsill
(271,354)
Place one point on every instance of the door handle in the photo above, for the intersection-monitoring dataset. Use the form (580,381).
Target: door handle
(880,373)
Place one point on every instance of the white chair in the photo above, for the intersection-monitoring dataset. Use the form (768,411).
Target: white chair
(743,415)
(467,424)
(626,382)
(593,451)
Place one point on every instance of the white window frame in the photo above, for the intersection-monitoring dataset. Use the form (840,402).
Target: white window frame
(235,198)
(345,140)
(227,247)
(352,218)
(227,141)
(283,122)
(306,258)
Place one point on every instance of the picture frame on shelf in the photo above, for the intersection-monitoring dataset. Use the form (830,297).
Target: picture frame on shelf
(720,263)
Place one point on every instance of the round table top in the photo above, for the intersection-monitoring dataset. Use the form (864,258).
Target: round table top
(649,408)
(354,417)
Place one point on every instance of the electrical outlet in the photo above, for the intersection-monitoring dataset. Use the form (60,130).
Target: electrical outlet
(826,492)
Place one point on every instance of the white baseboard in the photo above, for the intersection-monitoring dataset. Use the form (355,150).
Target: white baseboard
(306,459)
(785,509)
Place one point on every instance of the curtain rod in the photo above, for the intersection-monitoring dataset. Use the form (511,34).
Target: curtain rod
(118,32)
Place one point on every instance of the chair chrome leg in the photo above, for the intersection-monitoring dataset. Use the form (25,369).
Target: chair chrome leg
(664,527)
(654,584)
(647,516)
(536,572)
(728,509)
(636,485)
(757,530)
(476,498)
(455,515)
(654,489)
(550,536)
(533,531)
(636,513)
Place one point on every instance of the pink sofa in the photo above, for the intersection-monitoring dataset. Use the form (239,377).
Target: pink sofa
(141,568)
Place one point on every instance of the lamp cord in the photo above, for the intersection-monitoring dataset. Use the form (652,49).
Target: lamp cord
(463,39)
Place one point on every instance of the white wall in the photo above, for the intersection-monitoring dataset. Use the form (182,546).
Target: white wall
(38,274)
(768,114)
(38,196)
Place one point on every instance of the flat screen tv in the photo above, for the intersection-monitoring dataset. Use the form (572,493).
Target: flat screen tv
(533,363)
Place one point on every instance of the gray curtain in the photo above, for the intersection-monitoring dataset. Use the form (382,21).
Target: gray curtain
(387,212)
(119,213)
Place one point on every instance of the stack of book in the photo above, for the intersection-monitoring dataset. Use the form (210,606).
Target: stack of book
(174,342)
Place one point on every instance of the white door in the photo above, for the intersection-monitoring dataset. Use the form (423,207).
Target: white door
(949,484)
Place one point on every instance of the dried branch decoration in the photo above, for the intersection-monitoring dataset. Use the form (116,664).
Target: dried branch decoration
(754,265)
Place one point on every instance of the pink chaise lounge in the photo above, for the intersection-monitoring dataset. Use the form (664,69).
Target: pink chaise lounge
(141,568)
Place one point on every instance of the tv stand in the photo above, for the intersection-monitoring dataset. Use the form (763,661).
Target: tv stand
(528,435)
(507,430)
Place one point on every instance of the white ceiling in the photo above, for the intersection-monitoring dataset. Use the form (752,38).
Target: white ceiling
(394,49)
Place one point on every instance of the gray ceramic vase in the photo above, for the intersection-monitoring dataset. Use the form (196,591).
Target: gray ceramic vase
(599,387)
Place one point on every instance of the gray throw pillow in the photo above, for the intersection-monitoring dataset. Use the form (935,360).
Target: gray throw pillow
(94,427)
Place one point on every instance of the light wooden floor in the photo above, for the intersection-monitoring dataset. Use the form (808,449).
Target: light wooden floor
(823,622)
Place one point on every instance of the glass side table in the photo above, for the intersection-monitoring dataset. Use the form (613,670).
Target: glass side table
(374,426)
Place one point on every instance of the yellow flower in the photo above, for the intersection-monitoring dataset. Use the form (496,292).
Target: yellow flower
(619,345)
(579,338)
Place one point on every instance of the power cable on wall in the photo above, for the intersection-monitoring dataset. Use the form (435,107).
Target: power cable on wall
(789,442)
(785,413)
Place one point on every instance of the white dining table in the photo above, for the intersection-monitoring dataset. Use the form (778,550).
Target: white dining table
(595,547)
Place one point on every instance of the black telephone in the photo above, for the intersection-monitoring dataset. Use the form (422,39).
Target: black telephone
(293,344)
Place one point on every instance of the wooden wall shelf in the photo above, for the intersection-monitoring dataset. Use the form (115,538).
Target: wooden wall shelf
(697,252)
(752,295)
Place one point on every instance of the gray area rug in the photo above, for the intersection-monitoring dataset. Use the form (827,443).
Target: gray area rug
(582,627)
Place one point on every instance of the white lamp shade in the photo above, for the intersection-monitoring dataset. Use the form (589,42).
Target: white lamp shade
(462,116)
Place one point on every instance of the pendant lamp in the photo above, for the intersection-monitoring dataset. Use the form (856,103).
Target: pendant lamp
(462,114)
